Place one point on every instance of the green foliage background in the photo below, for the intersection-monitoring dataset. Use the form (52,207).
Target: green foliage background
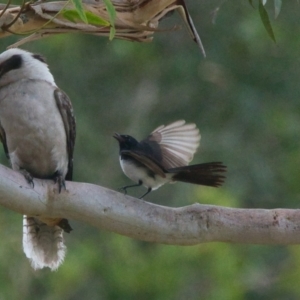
(245,99)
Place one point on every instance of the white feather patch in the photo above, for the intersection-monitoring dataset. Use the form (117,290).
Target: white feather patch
(43,244)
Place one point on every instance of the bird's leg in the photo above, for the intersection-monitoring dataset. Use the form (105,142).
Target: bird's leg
(148,191)
(58,178)
(27,176)
(124,188)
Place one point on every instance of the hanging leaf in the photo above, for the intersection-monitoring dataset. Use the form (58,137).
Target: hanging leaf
(79,8)
(214,15)
(112,16)
(264,2)
(112,32)
(251,3)
(277,6)
(266,21)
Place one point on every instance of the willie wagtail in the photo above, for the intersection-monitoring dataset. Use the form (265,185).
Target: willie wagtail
(164,157)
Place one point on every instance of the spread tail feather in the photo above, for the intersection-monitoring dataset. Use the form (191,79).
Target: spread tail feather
(204,174)
(43,244)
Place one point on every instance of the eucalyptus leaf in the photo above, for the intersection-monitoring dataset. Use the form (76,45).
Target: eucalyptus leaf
(112,16)
(266,21)
(251,3)
(79,8)
(73,15)
(95,20)
(112,33)
(277,6)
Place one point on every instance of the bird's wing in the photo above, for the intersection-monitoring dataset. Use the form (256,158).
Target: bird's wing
(177,141)
(66,110)
(3,140)
(146,161)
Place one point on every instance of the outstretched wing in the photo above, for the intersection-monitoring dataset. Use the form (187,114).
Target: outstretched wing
(177,141)
(66,110)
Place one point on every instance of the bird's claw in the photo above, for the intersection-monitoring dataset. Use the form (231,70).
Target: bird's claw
(60,181)
(123,189)
(28,177)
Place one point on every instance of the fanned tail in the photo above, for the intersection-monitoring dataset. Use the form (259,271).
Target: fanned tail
(43,244)
(203,174)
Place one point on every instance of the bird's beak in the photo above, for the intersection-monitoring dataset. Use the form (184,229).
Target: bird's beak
(118,137)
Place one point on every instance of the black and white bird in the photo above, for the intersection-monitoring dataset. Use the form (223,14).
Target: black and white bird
(37,129)
(164,157)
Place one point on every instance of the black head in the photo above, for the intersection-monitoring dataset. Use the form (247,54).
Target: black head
(126,142)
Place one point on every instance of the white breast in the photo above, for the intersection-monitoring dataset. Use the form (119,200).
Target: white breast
(35,132)
(140,174)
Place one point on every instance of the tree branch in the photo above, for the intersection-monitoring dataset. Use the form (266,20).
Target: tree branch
(110,210)
(135,20)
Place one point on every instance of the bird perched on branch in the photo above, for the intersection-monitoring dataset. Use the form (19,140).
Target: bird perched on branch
(164,157)
(37,129)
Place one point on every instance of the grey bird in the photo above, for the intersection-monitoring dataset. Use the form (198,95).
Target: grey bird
(163,157)
(37,130)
